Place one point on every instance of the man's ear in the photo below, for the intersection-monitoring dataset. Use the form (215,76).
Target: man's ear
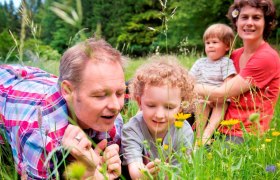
(66,89)
(138,100)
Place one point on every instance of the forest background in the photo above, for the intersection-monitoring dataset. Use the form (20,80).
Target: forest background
(40,31)
(45,28)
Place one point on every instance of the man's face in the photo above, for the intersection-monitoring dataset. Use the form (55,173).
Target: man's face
(99,97)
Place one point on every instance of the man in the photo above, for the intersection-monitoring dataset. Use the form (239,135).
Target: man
(41,113)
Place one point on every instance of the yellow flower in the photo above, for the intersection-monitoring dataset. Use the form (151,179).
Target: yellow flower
(209,156)
(165,147)
(182,116)
(158,140)
(230,122)
(278,165)
(75,170)
(178,124)
(275,133)
(268,140)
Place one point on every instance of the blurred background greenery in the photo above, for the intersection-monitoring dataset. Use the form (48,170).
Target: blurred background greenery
(137,28)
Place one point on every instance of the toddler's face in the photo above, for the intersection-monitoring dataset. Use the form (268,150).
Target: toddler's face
(159,105)
(215,48)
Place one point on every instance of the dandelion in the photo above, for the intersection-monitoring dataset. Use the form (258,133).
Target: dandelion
(178,124)
(268,140)
(158,140)
(165,147)
(182,116)
(230,122)
(75,170)
(275,133)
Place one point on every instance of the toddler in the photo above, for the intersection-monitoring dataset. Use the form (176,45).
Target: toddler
(213,70)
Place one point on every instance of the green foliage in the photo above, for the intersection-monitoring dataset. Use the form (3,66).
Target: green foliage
(35,50)
(7,47)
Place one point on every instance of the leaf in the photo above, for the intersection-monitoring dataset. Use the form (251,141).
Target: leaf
(238,165)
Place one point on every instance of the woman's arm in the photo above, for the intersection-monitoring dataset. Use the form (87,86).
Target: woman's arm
(233,87)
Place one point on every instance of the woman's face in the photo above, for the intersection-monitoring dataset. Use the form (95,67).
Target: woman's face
(250,24)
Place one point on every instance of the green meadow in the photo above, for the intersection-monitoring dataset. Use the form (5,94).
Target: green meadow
(257,158)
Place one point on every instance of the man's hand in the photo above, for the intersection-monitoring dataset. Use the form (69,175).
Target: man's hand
(81,149)
(112,158)
(79,145)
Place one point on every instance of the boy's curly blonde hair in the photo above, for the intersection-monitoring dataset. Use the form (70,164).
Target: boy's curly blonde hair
(163,70)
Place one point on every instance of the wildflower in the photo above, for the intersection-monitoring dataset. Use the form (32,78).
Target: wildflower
(209,156)
(235,13)
(185,104)
(158,140)
(275,133)
(178,124)
(146,144)
(278,165)
(182,116)
(217,134)
(183,149)
(230,122)
(165,147)
(199,143)
(75,170)
(268,140)
(254,117)
(270,168)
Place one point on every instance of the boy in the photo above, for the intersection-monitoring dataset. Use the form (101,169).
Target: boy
(159,89)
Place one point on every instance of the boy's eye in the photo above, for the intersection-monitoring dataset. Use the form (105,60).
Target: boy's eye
(169,107)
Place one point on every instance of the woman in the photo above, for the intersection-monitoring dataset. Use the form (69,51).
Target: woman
(256,87)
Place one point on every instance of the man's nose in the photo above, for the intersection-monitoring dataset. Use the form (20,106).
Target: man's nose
(114,103)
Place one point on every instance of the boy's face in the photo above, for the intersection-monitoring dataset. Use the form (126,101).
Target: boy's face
(159,105)
(215,48)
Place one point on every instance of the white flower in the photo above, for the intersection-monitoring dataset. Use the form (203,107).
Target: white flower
(235,13)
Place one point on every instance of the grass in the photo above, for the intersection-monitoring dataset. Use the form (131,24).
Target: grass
(256,158)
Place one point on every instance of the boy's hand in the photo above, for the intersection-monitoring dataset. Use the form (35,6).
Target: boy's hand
(152,167)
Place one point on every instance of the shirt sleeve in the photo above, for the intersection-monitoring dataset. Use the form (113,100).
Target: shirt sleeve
(187,134)
(195,69)
(261,68)
(132,147)
(228,68)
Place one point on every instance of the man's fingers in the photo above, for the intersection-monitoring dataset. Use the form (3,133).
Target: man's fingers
(100,146)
